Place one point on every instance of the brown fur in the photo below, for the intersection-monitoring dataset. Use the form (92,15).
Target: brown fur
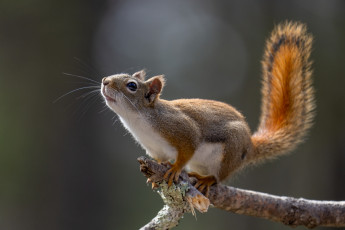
(188,122)
(287,110)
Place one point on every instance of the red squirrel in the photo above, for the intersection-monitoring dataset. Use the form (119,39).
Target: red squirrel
(210,138)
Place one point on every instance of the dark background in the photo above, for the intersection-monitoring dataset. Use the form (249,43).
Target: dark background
(71,165)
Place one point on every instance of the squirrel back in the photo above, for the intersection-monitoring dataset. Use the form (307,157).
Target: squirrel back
(287,92)
(212,138)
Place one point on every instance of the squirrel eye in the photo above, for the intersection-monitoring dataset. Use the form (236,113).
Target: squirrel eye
(132,86)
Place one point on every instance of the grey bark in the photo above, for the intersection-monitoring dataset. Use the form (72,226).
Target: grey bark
(287,210)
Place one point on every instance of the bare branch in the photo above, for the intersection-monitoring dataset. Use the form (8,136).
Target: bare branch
(287,210)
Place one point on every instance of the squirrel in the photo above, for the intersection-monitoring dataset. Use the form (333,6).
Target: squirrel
(210,138)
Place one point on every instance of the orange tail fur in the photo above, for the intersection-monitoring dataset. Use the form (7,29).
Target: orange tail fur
(288,95)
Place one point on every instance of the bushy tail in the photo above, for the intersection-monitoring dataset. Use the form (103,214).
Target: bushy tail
(287,93)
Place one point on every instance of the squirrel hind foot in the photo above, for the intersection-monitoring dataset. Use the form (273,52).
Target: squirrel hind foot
(204,182)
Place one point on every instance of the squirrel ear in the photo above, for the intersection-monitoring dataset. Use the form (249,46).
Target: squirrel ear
(155,85)
(140,75)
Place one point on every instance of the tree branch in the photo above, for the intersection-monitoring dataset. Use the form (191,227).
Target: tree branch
(287,210)
(179,199)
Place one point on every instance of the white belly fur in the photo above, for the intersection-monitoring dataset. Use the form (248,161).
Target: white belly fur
(154,144)
(207,159)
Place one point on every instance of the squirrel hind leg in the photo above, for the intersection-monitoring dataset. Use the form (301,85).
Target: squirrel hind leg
(204,182)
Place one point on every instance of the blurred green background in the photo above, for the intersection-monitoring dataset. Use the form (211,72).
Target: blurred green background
(71,165)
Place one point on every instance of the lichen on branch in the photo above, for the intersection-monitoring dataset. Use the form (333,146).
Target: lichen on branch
(183,197)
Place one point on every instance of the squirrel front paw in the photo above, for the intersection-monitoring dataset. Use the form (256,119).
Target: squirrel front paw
(172,175)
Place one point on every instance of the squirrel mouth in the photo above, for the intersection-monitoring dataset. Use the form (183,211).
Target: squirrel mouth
(108,98)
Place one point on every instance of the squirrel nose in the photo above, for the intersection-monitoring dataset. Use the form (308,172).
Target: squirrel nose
(105,81)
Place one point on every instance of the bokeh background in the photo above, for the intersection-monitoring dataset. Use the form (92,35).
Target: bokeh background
(71,164)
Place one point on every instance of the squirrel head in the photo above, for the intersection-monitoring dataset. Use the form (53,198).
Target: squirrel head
(123,92)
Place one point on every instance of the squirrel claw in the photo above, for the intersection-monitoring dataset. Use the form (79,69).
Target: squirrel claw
(172,175)
(204,182)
